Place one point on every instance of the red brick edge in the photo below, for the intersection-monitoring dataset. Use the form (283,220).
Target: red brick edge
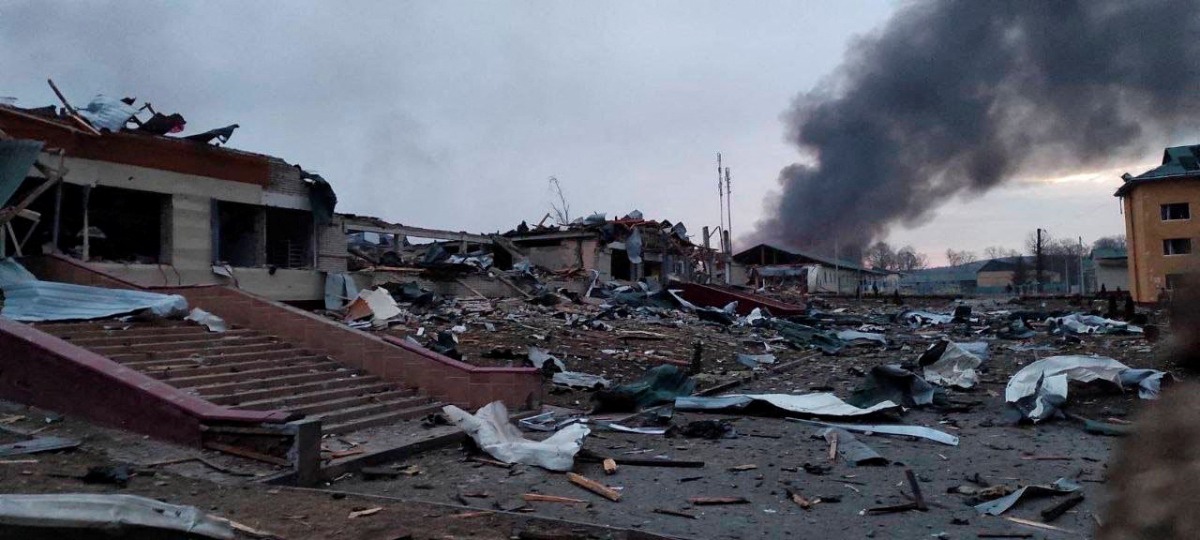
(392,359)
(39,369)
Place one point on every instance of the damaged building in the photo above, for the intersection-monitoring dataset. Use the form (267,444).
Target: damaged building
(160,210)
(764,265)
(626,249)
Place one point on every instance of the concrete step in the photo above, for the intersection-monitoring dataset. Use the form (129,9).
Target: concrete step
(202,344)
(235,396)
(299,401)
(107,324)
(72,335)
(317,365)
(159,339)
(200,352)
(365,410)
(245,386)
(382,419)
(173,374)
(217,360)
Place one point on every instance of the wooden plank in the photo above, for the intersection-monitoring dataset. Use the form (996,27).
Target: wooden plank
(247,453)
(594,486)
(710,501)
(538,497)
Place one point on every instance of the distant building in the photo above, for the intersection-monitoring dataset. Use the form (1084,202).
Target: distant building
(1109,269)
(765,265)
(944,280)
(1007,275)
(1159,227)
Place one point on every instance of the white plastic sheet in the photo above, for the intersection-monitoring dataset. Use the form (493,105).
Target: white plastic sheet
(855,337)
(212,322)
(819,404)
(490,428)
(1039,388)
(892,429)
(956,367)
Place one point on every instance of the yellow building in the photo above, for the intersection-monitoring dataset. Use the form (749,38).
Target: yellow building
(1159,227)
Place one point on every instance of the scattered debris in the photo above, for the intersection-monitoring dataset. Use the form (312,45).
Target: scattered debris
(494,434)
(779,404)
(70,514)
(594,487)
(1041,387)
(1001,505)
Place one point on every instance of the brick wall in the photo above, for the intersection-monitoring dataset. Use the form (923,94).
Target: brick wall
(285,178)
(332,247)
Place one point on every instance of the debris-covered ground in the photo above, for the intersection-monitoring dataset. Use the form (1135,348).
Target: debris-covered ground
(781,468)
(728,473)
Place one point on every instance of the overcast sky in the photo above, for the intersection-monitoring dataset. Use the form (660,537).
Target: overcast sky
(453,115)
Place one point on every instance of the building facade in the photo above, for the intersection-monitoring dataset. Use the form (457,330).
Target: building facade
(1161,232)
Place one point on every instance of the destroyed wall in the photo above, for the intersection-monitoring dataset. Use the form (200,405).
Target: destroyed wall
(562,254)
(187,236)
(332,247)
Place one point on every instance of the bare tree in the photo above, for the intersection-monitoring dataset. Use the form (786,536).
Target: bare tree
(561,210)
(880,255)
(907,259)
(1110,242)
(999,252)
(956,258)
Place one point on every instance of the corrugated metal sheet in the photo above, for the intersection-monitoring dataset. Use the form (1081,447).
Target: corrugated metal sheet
(27,299)
(108,113)
(16,157)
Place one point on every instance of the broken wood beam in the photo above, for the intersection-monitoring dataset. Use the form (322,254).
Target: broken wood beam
(891,509)
(710,501)
(918,499)
(635,462)
(1054,512)
(676,513)
(594,486)
(538,497)
(247,453)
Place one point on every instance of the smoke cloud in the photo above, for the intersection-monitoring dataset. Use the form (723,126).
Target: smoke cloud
(954,98)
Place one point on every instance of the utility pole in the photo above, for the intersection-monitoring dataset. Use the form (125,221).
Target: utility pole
(729,209)
(1081,291)
(721,192)
(1038,262)
(837,269)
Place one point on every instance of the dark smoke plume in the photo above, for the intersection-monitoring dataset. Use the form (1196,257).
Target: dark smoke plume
(956,97)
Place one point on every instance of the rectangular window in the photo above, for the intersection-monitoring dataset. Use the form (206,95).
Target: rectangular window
(237,234)
(1174,211)
(1174,281)
(1177,246)
(290,239)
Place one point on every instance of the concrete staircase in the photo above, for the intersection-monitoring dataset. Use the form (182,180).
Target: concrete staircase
(245,369)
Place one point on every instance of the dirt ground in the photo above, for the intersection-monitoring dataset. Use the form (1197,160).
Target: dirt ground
(285,512)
